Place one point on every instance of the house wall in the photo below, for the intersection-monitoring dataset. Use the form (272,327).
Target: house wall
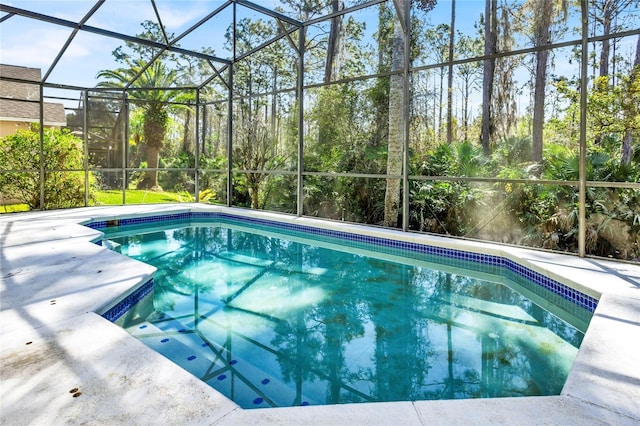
(10,127)
(20,101)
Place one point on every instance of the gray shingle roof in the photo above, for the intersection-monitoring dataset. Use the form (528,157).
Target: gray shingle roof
(20,101)
(20,73)
(17,110)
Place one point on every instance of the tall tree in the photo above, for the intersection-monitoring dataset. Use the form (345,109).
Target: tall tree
(504,99)
(333,44)
(605,13)
(468,74)
(450,76)
(543,15)
(380,92)
(489,66)
(632,109)
(395,146)
(154,103)
(192,71)
(439,38)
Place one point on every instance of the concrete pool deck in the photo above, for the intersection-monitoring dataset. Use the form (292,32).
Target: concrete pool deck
(62,363)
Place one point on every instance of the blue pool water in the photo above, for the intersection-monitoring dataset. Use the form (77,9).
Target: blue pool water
(275,319)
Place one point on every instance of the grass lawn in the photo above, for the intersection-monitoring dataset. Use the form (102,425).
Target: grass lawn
(138,196)
(13,208)
(110,198)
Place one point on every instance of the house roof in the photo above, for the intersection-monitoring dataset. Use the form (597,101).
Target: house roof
(25,111)
(20,97)
(20,73)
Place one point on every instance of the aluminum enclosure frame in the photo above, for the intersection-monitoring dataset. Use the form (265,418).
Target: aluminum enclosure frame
(222,65)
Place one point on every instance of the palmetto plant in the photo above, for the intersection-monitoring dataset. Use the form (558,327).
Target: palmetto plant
(154,103)
(550,213)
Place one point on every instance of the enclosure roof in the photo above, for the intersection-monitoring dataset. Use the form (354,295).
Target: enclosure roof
(72,41)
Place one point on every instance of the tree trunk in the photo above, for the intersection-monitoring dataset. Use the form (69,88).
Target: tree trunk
(396,128)
(465,110)
(333,45)
(606,30)
(150,179)
(186,138)
(155,128)
(206,130)
(627,148)
(274,105)
(489,66)
(255,202)
(538,105)
(450,76)
(504,98)
(542,38)
(216,140)
(440,104)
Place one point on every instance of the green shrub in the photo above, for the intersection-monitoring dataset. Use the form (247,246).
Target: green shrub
(64,182)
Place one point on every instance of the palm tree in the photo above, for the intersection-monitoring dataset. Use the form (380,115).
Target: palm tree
(155,105)
(395,144)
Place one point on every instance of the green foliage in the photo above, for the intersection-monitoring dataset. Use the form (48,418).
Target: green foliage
(138,73)
(62,152)
(461,159)
(346,142)
(177,180)
(206,196)
(214,182)
(523,213)
(612,110)
(513,151)
(548,214)
(443,207)
(446,207)
(346,130)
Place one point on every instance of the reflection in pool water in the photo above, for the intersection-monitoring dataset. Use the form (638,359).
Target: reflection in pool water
(270,320)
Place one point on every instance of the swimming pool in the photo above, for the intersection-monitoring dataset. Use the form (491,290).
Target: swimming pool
(48,256)
(372,320)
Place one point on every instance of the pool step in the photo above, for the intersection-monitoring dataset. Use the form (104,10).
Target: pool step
(194,358)
(249,386)
(237,378)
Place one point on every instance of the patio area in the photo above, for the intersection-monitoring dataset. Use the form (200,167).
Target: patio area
(62,363)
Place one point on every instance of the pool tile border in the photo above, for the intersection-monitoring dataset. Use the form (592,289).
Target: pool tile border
(128,302)
(568,293)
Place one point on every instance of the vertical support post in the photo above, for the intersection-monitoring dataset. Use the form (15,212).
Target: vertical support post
(197,148)
(230,139)
(205,128)
(85,140)
(230,116)
(582,197)
(405,112)
(300,94)
(42,171)
(125,146)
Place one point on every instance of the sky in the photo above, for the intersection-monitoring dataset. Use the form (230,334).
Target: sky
(33,43)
